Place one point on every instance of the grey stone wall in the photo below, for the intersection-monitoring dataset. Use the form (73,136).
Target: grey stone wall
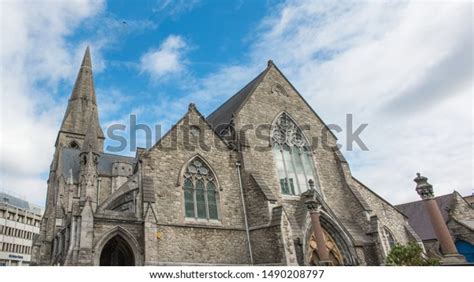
(388,216)
(188,240)
(262,107)
(202,245)
(258,210)
(267,246)
(461,209)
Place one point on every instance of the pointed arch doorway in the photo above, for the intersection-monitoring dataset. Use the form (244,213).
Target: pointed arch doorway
(117,252)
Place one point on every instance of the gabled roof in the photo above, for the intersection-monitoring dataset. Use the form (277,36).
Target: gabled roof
(223,114)
(191,107)
(419,218)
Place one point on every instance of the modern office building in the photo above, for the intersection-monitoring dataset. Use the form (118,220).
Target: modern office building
(19,224)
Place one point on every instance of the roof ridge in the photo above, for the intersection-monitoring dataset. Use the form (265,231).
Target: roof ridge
(250,87)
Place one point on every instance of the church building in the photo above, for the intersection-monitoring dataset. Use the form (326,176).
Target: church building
(260,181)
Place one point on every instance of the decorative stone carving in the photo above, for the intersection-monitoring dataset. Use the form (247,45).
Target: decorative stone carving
(198,170)
(277,89)
(335,254)
(285,131)
(195,131)
(423,188)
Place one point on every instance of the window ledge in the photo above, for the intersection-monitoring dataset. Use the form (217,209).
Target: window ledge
(202,221)
(290,197)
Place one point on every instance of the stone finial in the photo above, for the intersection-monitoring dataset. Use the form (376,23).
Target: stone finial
(269,63)
(191,106)
(312,202)
(423,188)
(313,206)
(311,184)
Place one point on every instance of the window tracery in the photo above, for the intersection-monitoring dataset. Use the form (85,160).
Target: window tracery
(292,155)
(200,191)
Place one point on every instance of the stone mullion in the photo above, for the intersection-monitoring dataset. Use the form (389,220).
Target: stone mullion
(312,165)
(218,201)
(194,198)
(286,171)
(302,164)
(294,170)
(206,200)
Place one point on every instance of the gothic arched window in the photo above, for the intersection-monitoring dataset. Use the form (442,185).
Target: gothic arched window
(292,155)
(390,239)
(201,196)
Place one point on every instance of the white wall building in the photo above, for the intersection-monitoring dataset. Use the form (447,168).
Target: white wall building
(19,224)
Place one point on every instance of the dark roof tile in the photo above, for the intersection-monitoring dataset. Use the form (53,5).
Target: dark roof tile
(71,163)
(223,114)
(419,218)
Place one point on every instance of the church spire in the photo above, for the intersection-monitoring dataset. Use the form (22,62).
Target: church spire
(82,105)
(84,86)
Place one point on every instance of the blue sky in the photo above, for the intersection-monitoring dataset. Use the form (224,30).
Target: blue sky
(208,36)
(404,68)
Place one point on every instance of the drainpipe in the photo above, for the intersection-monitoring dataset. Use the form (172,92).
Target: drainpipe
(237,166)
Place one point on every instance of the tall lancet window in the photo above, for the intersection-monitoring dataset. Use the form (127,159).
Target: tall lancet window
(292,155)
(201,196)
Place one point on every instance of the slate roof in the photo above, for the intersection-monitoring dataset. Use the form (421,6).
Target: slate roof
(223,114)
(18,203)
(419,218)
(263,186)
(14,201)
(70,162)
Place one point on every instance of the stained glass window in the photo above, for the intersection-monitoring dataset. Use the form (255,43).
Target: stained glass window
(390,239)
(188,198)
(200,191)
(212,200)
(292,156)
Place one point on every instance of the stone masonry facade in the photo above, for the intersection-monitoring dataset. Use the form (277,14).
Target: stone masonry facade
(105,209)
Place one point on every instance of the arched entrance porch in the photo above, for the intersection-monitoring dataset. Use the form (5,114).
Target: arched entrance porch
(117,247)
(117,252)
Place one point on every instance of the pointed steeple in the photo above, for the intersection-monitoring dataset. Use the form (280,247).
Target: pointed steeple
(84,86)
(82,105)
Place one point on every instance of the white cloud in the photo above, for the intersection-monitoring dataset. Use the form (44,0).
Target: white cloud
(174,8)
(403,68)
(166,60)
(35,57)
